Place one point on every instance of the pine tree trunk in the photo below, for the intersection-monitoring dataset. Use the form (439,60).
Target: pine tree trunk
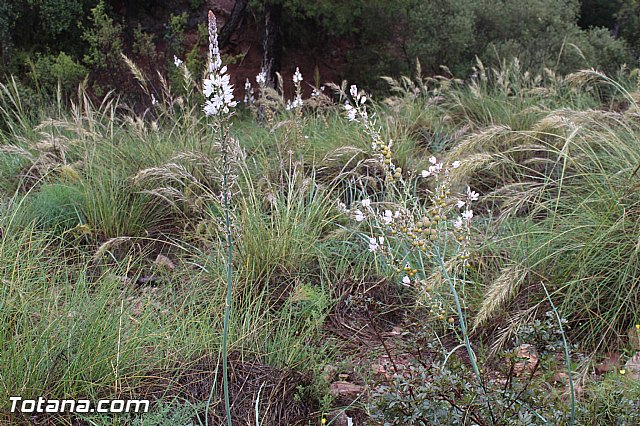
(272,43)
(233,22)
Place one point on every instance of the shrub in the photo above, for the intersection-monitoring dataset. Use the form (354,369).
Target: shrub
(144,45)
(49,70)
(104,38)
(58,16)
(454,46)
(8,14)
(175,32)
(54,207)
(544,34)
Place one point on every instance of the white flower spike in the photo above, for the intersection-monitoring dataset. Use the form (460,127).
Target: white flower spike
(216,87)
(297,76)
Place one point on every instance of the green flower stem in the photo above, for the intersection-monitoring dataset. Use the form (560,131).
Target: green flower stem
(567,356)
(463,326)
(228,299)
(227,304)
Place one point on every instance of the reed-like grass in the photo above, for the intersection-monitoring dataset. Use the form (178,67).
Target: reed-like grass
(92,193)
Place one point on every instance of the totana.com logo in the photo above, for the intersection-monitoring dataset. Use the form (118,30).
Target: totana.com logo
(42,405)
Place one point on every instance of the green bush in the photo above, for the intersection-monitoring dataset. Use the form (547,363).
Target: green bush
(40,25)
(144,45)
(58,16)
(54,207)
(628,18)
(104,38)
(49,70)
(175,32)
(454,46)
(8,14)
(544,34)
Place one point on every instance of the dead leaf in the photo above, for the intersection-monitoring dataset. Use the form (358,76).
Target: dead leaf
(611,362)
(528,359)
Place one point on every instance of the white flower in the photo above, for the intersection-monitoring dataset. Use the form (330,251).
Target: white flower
(455,164)
(467,215)
(472,195)
(359,216)
(177,61)
(396,214)
(460,204)
(406,280)
(248,93)
(373,245)
(363,99)
(354,91)
(351,111)
(209,86)
(261,78)
(297,103)
(388,217)
(297,77)
(435,169)
(433,160)
(366,202)
(216,88)
(426,173)
(457,223)
(381,240)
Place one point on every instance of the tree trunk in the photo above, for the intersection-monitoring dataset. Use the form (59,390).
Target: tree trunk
(233,22)
(272,43)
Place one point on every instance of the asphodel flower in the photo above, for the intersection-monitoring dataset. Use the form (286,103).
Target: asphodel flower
(216,88)
(297,80)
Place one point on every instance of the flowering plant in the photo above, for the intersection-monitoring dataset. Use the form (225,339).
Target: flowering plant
(357,111)
(217,88)
(297,101)
(415,239)
(219,101)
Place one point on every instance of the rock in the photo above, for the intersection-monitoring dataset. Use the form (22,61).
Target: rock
(345,389)
(163,261)
(632,366)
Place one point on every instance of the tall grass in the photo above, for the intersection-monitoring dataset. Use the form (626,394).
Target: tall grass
(92,194)
(568,181)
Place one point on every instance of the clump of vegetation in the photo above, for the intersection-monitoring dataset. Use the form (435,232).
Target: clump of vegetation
(462,252)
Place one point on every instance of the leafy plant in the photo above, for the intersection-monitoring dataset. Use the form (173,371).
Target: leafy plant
(49,70)
(104,37)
